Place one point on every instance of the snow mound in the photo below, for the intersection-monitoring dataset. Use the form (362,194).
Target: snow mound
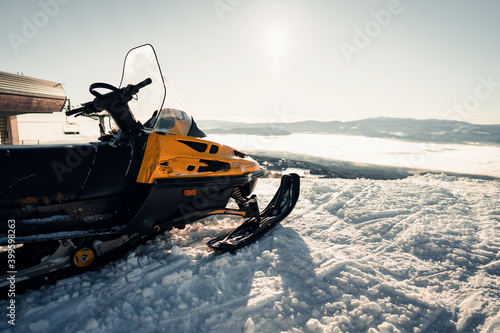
(413,255)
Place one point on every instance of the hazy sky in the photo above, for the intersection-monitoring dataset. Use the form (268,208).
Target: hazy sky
(281,59)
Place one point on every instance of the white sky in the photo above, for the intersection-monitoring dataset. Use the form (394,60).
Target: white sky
(281,59)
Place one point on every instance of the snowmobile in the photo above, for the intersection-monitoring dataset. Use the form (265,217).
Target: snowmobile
(65,206)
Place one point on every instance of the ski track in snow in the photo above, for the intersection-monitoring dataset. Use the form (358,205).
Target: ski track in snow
(413,255)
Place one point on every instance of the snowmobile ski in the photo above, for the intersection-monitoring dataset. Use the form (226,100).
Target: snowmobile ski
(255,227)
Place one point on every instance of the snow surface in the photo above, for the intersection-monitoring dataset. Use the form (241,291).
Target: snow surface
(413,255)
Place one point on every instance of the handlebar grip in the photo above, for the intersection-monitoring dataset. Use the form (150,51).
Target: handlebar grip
(75,111)
(134,89)
(143,83)
(85,108)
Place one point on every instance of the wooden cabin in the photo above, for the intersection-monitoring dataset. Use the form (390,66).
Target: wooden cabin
(21,94)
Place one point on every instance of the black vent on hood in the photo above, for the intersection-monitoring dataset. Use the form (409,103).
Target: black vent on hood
(198,146)
(214,166)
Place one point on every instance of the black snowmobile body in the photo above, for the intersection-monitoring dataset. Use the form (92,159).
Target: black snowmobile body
(72,188)
(68,188)
(65,205)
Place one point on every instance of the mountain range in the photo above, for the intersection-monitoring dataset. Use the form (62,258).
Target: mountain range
(407,129)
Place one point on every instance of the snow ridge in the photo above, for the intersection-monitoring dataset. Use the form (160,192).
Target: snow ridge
(414,255)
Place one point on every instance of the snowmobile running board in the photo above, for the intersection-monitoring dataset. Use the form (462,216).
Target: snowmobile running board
(255,227)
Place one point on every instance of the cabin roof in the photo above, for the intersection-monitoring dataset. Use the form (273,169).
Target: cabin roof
(23,94)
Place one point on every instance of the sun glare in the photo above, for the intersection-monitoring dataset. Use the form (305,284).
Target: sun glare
(276,42)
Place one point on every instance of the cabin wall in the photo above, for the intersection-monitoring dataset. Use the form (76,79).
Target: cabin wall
(9,134)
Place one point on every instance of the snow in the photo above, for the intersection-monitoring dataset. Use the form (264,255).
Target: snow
(55,218)
(414,255)
(459,158)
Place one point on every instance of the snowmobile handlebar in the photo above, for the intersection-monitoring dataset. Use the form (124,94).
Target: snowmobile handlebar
(78,111)
(102,102)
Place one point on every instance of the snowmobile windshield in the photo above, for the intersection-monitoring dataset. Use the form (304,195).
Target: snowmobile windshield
(141,63)
(173,117)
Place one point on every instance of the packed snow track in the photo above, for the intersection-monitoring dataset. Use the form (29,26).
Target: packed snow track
(413,255)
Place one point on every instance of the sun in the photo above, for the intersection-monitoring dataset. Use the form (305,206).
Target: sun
(276,44)
(276,41)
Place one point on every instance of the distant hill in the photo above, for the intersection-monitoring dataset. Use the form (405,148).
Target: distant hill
(429,130)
